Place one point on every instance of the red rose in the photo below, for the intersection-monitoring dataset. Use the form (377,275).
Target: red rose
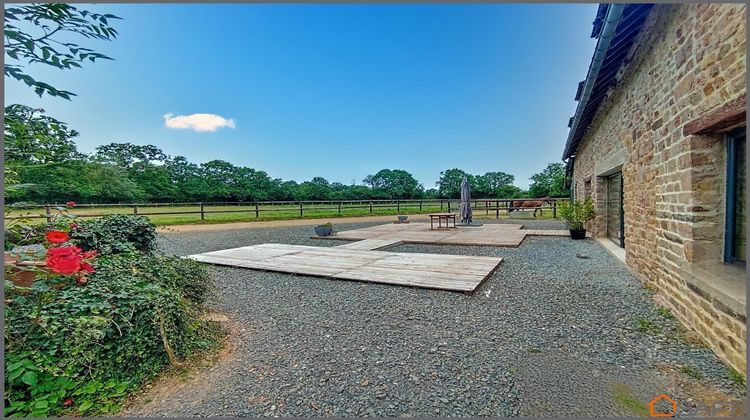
(73,225)
(68,402)
(64,260)
(63,251)
(89,254)
(87,267)
(71,203)
(81,281)
(57,237)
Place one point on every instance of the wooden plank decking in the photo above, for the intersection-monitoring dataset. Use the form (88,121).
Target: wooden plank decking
(434,271)
(371,244)
(508,235)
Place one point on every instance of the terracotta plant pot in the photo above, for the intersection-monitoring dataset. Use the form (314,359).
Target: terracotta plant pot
(19,276)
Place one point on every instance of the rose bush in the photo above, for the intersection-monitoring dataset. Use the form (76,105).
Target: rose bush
(117,320)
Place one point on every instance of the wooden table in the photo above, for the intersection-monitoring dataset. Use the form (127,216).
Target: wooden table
(440,217)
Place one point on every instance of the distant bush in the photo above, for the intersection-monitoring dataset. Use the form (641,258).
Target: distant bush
(116,234)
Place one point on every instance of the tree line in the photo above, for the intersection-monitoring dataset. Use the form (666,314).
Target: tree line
(40,152)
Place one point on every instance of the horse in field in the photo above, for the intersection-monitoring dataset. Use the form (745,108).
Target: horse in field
(533,203)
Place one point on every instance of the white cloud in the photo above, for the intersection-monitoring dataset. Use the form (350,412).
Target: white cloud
(197,122)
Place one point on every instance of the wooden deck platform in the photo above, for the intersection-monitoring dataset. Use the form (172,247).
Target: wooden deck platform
(434,271)
(371,244)
(508,235)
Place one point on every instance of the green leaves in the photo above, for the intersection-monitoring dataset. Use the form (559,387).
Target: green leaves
(29,378)
(116,234)
(577,213)
(85,406)
(54,20)
(81,350)
(549,182)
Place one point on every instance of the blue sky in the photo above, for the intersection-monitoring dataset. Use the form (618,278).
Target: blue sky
(338,91)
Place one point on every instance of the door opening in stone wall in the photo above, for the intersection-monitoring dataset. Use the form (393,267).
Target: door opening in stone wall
(615,221)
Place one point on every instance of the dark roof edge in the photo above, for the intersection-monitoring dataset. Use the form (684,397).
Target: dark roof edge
(602,16)
(617,27)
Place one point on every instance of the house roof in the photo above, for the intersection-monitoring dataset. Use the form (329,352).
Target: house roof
(617,56)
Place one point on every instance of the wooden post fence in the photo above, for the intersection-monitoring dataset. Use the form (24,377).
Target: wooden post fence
(301,211)
(135,208)
(48,213)
(257,212)
(203,214)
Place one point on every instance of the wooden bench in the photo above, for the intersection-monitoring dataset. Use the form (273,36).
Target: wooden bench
(440,217)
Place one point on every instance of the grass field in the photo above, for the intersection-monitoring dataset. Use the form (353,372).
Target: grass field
(161,216)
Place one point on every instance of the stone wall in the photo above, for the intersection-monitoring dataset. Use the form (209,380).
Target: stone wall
(689,60)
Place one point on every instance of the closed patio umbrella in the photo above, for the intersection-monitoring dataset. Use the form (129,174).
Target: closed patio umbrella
(465,207)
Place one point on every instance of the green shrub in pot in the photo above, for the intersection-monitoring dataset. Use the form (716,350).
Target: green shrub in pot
(576,214)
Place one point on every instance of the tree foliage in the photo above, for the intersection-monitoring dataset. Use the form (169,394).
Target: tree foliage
(42,156)
(549,182)
(32,137)
(36,34)
(449,184)
(395,183)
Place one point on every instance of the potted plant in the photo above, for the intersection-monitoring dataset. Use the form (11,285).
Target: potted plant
(324,230)
(576,213)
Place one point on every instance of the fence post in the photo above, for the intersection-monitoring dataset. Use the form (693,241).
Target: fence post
(301,212)
(203,214)
(497,209)
(420,206)
(339,208)
(257,212)
(398,206)
(48,213)
(370,206)
(135,208)
(554,209)
(449,206)
(441,205)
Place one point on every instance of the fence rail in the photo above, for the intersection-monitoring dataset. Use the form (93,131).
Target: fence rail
(299,208)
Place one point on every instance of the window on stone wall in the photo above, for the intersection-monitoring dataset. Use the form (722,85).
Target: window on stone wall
(736,216)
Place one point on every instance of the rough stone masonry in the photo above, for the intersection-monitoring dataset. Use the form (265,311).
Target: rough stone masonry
(689,61)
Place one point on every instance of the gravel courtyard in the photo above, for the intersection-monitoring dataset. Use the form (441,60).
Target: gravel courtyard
(562,328)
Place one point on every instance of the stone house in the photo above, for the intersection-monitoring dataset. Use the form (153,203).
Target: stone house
(658,143)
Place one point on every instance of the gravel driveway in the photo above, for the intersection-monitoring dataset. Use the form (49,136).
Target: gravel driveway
(562,328)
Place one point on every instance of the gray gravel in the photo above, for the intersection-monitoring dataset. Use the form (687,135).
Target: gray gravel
(550,333)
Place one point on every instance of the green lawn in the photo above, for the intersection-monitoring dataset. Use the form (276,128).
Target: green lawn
(246,213)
